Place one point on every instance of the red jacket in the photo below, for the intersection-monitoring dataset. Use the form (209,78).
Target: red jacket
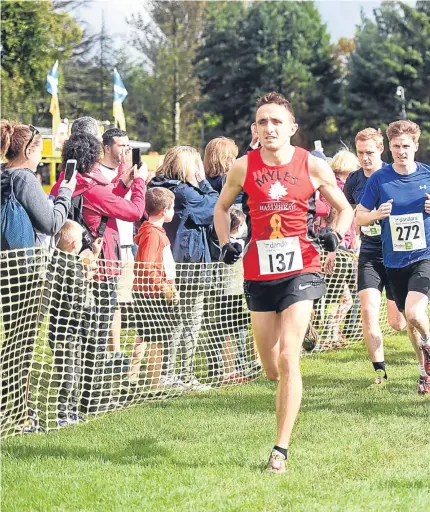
(154,268)
(104,199)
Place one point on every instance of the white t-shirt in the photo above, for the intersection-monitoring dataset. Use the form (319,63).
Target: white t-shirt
(125,229)
(108,172)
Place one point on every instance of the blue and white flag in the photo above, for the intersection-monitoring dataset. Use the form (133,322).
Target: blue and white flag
(52,80)
(119,95)
(52,88)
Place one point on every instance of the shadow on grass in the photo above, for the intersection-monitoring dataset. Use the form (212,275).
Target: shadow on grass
(143,450)
(343,396)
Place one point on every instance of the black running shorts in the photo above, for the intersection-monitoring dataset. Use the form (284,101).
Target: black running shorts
(279,294)
(372,274)
(413,278)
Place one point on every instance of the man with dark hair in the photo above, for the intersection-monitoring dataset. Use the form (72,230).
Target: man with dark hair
(116,152)
(86,124)
(115,147)
(282,266)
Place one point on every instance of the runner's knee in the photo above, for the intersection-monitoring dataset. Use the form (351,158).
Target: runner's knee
(288,362)
(398,324)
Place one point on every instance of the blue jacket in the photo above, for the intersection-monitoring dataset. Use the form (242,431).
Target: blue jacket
(194,212)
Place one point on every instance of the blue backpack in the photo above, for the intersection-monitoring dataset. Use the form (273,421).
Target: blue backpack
(16,228)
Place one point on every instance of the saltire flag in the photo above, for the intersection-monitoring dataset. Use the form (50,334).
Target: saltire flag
(119,95)
(52,88)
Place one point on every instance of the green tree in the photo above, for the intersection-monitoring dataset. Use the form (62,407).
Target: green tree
(34,35)
(252,49)
(392,51)
(168,41)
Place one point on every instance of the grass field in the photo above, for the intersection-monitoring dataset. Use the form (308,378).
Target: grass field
(354,449)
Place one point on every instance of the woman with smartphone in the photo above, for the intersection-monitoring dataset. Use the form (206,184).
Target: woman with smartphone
(103,203)
(20,286)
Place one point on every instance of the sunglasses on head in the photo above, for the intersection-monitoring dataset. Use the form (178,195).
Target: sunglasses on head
(34,132)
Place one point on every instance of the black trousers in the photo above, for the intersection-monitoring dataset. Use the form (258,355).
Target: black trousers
(20,300)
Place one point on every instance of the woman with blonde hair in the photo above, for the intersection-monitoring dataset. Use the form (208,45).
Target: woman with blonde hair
(343,163)
(220,154)
(341,283)
(182,172)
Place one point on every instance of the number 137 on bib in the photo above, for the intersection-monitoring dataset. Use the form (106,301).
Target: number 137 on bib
(279,256)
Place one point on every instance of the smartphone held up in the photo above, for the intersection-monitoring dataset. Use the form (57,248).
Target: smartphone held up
(136,158)
(70,170)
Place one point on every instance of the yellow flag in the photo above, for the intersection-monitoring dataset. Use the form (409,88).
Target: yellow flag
(54,109)
(118,114)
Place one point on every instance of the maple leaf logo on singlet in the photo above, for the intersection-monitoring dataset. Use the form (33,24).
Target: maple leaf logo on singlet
(277,190)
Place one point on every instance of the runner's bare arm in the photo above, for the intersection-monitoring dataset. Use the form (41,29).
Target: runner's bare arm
(367,217)
(232,188)
(364,216)
(323,178)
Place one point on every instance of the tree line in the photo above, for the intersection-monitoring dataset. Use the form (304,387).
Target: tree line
(203,65)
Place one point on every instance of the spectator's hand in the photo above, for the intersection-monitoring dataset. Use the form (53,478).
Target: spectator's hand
(171,295)
(126,157)
(200,173)
(427,204)
(230,253)
(330,240)
(151,174)
(142,172)
(89,262)
(384,210)
(97,247)
(71,184)
(329,263)
(254,140)
(128,176)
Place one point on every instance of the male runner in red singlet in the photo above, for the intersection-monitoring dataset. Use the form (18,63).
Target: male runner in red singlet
(281,263)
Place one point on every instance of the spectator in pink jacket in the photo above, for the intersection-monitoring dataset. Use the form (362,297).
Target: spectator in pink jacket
(101,198)
(103,203)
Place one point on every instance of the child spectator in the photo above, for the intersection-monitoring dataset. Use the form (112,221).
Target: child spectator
(65,297)
(155,295)
(227,354)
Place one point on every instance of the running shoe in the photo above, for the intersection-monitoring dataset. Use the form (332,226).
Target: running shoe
(171,383)
(277,463)
(426,352)
(194,385)
(424,385)
(380,379)
(235,378)
(311,338)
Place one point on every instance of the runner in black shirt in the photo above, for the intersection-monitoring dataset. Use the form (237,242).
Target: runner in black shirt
(372,276)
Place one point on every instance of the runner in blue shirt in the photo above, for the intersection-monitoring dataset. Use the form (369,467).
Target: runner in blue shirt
(372,276)
(397,196)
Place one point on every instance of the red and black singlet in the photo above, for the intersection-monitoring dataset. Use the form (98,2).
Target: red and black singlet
(281,201)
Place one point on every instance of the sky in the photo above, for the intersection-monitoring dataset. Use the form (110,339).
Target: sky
(341,16)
